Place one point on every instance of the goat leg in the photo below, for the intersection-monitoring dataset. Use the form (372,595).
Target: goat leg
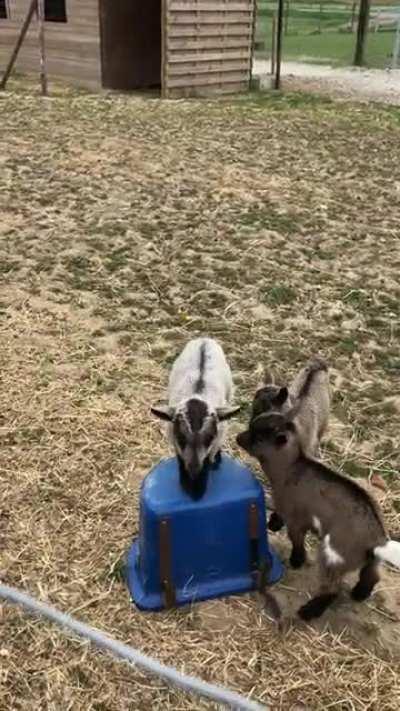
(369,576)
(329,589)
(316,606)
(298,556)
(276,522)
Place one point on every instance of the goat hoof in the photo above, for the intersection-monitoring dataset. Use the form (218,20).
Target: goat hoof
(316,607)
(359,594)
(275,522)
(272,607)
(297,559)
(310,611)
(286,624)
(306,612)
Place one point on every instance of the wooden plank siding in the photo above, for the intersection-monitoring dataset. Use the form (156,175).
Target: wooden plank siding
(72,47)
(207,46)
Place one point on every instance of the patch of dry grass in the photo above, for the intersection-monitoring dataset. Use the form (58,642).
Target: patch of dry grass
(128,226)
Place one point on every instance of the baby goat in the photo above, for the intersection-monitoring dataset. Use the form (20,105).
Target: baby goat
(310,392)
(310,496)
(310,388)
(200,397)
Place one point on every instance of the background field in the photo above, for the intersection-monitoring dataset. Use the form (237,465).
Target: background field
(126,227)
(318,32)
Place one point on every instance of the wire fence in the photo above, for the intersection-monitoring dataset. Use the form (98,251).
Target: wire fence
(189,684)
(325,32)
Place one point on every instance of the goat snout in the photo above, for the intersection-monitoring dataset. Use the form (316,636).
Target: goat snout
(194,467)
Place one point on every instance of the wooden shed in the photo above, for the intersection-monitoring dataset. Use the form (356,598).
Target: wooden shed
(183,47)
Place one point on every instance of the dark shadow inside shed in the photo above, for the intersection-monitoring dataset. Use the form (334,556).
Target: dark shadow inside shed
(130,44)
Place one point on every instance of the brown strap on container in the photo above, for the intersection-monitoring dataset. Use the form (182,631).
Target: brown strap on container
(260,569)
(253,534)
(253,522)
(165,564)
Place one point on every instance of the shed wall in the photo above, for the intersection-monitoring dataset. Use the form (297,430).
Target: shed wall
(72,48)
(207,46)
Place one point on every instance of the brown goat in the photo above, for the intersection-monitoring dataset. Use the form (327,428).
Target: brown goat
(311,497)
(309,393)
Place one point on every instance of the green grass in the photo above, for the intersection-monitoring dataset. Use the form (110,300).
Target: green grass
(338,48)
(320,38)
(278,294)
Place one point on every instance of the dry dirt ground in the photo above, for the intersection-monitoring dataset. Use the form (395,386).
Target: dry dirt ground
(351,82)
(127,226)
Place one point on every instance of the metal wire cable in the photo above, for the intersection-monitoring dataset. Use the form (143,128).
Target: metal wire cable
(190,684)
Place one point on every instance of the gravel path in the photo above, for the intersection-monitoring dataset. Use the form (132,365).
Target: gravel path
(364,84)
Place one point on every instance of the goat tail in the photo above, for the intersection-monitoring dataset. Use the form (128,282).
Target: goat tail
(390,552)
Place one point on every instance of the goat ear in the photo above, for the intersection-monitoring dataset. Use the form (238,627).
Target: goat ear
(225,413)
(282,396)
(280,439)
(243,440)
(163,412)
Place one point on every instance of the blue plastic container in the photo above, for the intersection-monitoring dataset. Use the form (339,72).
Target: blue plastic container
(197,550)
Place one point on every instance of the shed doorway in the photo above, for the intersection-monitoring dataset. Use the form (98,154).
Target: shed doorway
(130,32)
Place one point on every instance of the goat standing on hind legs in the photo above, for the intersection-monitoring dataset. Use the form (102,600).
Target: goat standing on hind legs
(312,497)
(309,391)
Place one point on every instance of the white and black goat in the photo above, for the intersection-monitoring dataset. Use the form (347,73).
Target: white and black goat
(200,394)
(309,392)
(312,497)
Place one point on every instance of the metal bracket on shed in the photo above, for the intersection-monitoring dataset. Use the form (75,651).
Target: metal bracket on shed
(165,564)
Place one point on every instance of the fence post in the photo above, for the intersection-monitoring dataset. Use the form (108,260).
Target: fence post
(362,30)
(42,46)
(273,44)
(320,18)
(277,83)
(396,47)
(287,13)
(353,16)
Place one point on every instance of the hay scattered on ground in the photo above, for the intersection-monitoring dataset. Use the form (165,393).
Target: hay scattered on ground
(128,226)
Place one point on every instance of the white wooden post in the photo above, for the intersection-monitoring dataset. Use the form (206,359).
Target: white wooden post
(42,47)
(396,47)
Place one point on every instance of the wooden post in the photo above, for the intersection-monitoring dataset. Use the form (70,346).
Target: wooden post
(353,16)
(42,47)
(396,48)
(18,45)
(287,12)
(320,18)
(253,43)
(273,44)
(164,49)
(362,30)
(277,84)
